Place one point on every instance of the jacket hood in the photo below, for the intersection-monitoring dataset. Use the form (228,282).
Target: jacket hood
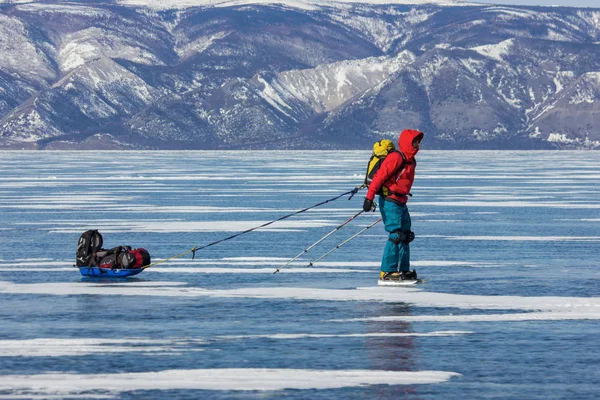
(405,142)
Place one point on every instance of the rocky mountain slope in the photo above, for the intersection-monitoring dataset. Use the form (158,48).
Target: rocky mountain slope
(285,75)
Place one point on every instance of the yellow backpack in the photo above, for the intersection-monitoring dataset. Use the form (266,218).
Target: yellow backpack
(380,150)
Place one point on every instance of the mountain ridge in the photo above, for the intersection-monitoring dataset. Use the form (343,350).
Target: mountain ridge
(111,75)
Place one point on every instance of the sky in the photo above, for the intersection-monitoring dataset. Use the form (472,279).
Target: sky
(571,3)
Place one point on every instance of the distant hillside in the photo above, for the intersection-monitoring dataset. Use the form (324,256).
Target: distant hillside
(296,74)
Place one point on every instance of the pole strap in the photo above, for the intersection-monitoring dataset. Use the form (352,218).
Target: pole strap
(312,263)
(320,240)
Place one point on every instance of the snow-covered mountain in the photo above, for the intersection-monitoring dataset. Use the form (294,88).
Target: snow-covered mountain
(209,74)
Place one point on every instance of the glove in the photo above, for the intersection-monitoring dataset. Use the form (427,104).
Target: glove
(368,205)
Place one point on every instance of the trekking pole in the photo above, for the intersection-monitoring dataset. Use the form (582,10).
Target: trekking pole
(195,249)
(320,240)
(312,263)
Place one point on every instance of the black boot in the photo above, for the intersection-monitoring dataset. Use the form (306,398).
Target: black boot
(408,275)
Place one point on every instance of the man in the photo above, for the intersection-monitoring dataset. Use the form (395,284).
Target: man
(393,182)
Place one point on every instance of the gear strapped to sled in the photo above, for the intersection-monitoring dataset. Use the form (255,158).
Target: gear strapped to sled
(89,243)
(380,151)
(123,257)
(91,254)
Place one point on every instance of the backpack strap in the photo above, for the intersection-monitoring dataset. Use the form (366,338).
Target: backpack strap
(399,171)
(118,252)
(367,174)
(403,164)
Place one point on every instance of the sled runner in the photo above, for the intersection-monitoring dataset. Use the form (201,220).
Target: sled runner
(108,272)
(407,282)
(400,278)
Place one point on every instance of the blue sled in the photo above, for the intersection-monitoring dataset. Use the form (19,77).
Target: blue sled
(109,273)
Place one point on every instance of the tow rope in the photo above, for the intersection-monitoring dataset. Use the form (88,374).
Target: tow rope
(198,248)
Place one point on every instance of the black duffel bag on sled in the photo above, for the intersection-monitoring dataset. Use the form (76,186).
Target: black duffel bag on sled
(123,257)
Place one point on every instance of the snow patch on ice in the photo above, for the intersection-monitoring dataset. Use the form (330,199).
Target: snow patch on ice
(286,336)
(69,347)
(61,347)
(246,379)
(511,204)
(4,268)
(522,238)
(199,226)
(509,317)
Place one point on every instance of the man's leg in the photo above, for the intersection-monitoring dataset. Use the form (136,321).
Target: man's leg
(403,247)
(392,219)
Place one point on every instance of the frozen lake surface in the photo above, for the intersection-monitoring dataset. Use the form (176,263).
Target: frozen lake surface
(507,243)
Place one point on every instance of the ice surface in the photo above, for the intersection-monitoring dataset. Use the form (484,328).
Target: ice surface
(505,241)
(582,306)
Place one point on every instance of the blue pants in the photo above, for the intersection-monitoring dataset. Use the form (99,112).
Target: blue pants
(396,257)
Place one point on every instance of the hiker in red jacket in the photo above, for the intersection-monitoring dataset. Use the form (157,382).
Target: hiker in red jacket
(393,182)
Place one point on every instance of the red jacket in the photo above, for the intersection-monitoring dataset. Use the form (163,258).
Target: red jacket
(390,175)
